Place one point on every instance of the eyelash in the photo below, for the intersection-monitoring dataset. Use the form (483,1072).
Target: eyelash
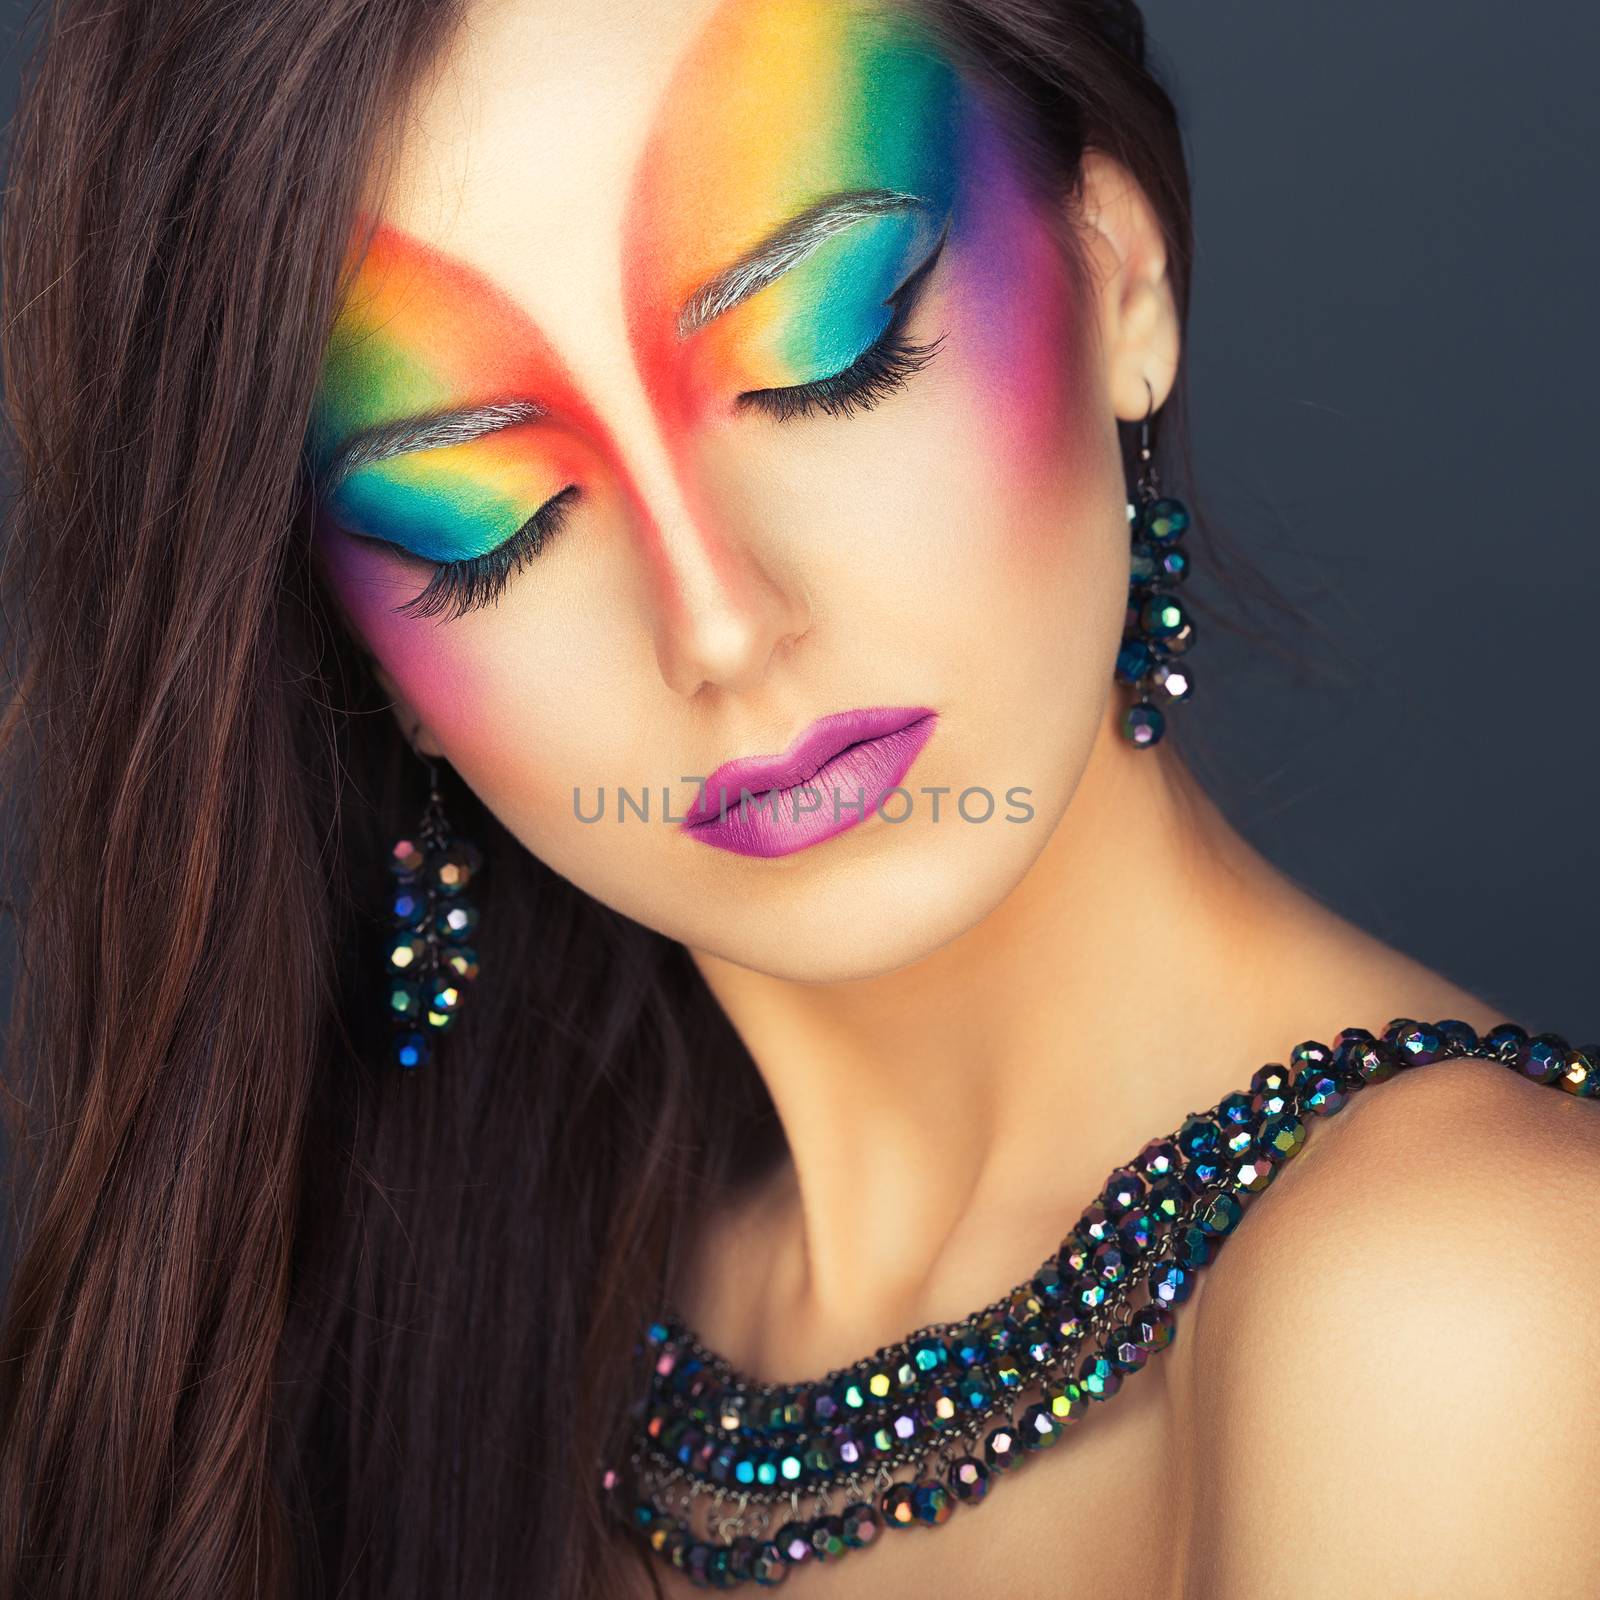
(878,371)
(476,581)
(881,369)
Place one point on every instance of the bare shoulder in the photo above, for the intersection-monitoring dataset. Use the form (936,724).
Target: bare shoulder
(1396,1352)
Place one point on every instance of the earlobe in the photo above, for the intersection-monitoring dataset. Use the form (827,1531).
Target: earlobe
(1138,313)
(417,733)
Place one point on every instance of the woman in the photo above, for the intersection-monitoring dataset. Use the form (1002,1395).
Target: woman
(468,457)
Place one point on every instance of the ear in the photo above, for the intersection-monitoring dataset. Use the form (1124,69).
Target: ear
(1137,310)
(405,714)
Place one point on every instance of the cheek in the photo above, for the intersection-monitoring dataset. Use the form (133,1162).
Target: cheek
(1015,316)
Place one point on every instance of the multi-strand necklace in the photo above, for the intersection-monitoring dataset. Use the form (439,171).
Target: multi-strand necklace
(736,1481)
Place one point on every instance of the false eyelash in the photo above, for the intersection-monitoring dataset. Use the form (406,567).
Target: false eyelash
(878,371)
(478,581)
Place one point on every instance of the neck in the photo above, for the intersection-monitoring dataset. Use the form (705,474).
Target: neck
(1144,966)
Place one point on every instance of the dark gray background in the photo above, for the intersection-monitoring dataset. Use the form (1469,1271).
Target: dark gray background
(1391,354)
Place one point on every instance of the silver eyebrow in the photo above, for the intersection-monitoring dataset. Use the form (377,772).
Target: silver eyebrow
(425,433)
(786,247)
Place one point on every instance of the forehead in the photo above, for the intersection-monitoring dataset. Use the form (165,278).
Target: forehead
(590,158)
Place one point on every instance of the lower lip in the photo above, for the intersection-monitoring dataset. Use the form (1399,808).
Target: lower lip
(844,792)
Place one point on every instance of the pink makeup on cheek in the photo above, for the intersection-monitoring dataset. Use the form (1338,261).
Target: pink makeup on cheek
(1011,315)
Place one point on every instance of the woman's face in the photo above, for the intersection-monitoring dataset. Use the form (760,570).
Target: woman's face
(734,540)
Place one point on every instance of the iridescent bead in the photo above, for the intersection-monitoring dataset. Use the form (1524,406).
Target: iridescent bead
(696,1558)
(1235,1111)
(402,998)
(968,1346)
(719,1569)
(850,1448)
(1137,1233)
(824,1407)
(1420,1045)
(1253,1172)
(861,1523)
(1124,1190)
(1142,564)
(941,1408)
(1163,521)
(1220,1215)
(1173,565)
(898,1506)
(661,1528)
(827,1538)
(1171,1284)
(1238,1143)
(905,1426)
(880,1382)
(1125,1349)
(406,858)
(1002,1449)
(457,921)
(1098,1376)
(1193,1245)
(1167,1201)
(1369,1061)
(1097,1225)
(790,1466)
(1319,1091)
(1067,1402)
(1161,616)
(1024,1306)
(1507,1044)
(974,1391)
(1066,1325)
(1143,724)
(1074,1259)
(1174,644)
(741,1559)
(794,1540)
(851,1394)
(1133,661)
(1309,1053)
(1049,1283)
(1270,1089)
(410,1049)
(1154,1326)
(1111,1264)
(1039,1427)
(767,1566)
(968,1479)
(1199,1138)
(408,906)
(929,1354)
(1007,1372)
(461,961)
(1283,1135)
(932,1503)
(1160,1158)
(1461,1038)
(1092,1295)
(999,1332)
(1545,1058)
(1581,1073)
(454,867)
(1037,1347)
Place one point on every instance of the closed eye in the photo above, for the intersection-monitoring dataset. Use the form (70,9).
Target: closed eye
(885,366)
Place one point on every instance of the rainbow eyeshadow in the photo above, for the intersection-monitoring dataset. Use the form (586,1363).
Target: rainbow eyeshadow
(420,335)
(451,502)
(781,105)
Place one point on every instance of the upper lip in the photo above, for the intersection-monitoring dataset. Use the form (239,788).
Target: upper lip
(811,750)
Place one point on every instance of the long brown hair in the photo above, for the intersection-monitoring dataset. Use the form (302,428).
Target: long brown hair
(280,1320)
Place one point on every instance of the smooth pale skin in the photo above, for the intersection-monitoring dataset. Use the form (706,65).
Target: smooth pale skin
(1387,1384)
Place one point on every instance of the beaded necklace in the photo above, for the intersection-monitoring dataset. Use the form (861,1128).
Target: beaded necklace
(734,1481)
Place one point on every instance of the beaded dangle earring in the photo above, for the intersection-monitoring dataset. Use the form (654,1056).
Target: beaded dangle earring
(1158,630)
(428,960)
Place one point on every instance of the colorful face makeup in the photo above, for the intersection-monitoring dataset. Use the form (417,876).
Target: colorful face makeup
(754,294)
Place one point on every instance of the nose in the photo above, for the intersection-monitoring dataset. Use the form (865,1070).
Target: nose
(721,612)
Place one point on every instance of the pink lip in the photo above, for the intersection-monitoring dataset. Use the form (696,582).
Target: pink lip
(863,758)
